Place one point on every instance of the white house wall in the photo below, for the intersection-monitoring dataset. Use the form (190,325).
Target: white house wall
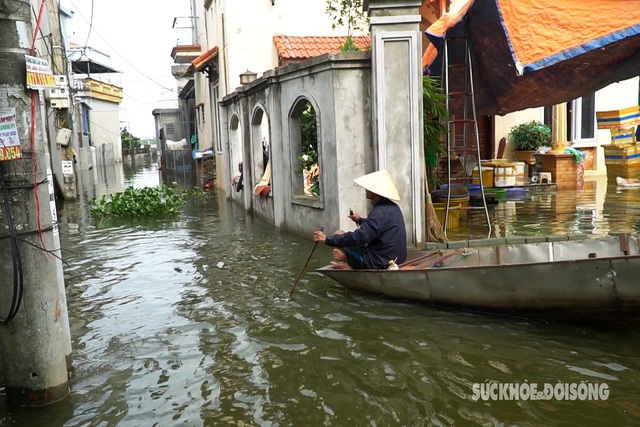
(105,123)
(251,25)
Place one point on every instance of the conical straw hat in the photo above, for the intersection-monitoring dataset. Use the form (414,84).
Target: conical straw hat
(380,183)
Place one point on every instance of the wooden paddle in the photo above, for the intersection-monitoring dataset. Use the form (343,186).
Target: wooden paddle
(315,245)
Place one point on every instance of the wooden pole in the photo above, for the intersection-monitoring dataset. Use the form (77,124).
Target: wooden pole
(304,267)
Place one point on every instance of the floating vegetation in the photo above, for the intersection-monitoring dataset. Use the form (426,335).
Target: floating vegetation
(145,202)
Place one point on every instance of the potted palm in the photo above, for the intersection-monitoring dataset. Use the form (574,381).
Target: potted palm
(528,138)
(434,115)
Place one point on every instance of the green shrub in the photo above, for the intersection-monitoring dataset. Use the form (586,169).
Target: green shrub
(531,135)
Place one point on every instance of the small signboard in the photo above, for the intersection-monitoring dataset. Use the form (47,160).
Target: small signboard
(67,167)
(39,75)
(9,143)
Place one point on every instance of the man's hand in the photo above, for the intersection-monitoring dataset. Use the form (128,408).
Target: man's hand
(319,236)
(355,217)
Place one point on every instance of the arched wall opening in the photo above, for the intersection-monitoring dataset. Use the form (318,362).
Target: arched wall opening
(306,149)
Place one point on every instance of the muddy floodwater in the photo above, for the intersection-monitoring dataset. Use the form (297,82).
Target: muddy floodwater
(186,322)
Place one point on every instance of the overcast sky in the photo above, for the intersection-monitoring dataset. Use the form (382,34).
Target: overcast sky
(138,35)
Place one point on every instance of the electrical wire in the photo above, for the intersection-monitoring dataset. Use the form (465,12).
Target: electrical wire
(33,130)
(118,53)
(16,258)
(47,251)
(39,20)
(104,129)
(86,43)
(35,164)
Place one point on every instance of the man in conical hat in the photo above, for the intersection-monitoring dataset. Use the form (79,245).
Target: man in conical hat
(380,238)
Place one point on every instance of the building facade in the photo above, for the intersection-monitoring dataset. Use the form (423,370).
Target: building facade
(227,42)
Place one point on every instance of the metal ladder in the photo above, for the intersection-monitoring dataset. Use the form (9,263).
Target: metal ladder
(465,94)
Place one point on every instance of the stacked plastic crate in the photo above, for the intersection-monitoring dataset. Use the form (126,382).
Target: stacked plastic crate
(622,157)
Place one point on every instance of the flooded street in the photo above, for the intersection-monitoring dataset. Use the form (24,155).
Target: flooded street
(187,322)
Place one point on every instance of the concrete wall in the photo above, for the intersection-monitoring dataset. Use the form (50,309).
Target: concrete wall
(338,87)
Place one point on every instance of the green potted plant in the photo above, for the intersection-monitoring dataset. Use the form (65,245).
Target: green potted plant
(528,138)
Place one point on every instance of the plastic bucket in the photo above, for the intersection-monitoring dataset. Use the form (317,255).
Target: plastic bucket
(454,214)
(440,196)
(487,176)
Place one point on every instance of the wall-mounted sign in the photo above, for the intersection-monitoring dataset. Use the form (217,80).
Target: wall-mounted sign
(39,75)
(67,167)
(9,143)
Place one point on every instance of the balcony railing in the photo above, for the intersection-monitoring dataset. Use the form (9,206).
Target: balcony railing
(186,28)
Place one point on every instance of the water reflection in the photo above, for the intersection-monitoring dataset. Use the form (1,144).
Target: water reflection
(598,209)
(162,336)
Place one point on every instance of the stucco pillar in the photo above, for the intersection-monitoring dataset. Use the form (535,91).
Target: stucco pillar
(396,100)
(559,128)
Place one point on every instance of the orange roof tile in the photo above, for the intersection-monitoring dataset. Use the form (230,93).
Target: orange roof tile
(201,61)
(293,47)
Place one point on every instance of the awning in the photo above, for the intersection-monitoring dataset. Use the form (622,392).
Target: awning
(531,53)
(87,66)
(202,61)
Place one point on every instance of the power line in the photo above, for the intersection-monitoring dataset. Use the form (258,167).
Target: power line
(127,95)
(116,51)
(86,44)
(103,128)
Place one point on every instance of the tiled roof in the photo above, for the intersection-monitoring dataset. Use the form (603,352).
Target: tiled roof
(293,47)
(202,61)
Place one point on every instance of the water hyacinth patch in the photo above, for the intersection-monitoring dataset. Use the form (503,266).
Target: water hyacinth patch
(143,202)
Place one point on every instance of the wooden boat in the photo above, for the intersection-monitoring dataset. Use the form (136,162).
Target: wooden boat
(598,277)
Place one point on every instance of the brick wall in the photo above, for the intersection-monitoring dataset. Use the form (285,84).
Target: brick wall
(207,171)
(563,170)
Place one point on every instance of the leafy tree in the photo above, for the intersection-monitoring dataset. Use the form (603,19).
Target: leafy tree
(129,141)
(347,13)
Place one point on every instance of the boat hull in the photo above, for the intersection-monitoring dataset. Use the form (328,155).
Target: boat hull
(590,286)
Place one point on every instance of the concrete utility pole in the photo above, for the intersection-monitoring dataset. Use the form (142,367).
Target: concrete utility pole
(35,337)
